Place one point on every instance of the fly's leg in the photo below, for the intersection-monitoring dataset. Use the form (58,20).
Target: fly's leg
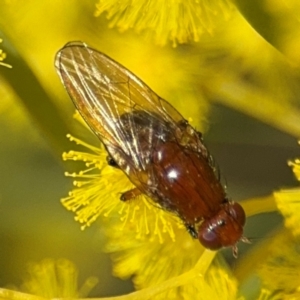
(111,162)
(131,194)
(128,195)
(192,231)
(200,136)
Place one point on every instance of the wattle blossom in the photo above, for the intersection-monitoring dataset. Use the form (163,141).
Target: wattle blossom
(235,67)
(164,21)
(2,58)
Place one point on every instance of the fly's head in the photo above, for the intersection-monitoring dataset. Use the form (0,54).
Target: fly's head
(224,229)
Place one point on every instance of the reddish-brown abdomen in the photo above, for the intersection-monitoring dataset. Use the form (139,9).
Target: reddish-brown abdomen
(185,183)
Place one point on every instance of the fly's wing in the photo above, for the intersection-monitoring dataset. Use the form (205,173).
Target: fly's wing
(103,90)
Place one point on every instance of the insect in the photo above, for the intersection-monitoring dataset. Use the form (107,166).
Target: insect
(150,141)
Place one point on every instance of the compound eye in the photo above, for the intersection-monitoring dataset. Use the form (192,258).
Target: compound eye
(209,238)
(238,213)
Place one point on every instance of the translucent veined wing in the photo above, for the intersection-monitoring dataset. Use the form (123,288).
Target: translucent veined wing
(103,91)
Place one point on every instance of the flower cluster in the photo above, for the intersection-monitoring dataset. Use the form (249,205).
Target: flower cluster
(2,57)
(175,21)
(245,65)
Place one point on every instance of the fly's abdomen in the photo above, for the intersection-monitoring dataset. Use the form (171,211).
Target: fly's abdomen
(185,183)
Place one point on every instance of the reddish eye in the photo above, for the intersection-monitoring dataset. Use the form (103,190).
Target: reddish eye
(209,238)
(238,213)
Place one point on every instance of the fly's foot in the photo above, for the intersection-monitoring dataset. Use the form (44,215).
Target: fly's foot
(131,194)
(111,162)
(192,231)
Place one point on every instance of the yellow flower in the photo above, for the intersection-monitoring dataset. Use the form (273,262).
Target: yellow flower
(288,202)
(175,21)
(153,247)
(145,242)
(280,272)
(266,294)
(51,279)
(152,264)
(2,58)
(295,165)
(276,259)
(98,194)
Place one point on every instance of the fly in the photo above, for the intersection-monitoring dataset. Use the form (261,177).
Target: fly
(149,140)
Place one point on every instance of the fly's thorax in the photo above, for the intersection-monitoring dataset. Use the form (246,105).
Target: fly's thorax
(145,126)
(189,138)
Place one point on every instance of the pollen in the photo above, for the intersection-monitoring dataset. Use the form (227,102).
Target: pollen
(295,165)
(280,271)
(288,204)
(56,279)
(175,21)
(97,191)
(288,201)
(3,57)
